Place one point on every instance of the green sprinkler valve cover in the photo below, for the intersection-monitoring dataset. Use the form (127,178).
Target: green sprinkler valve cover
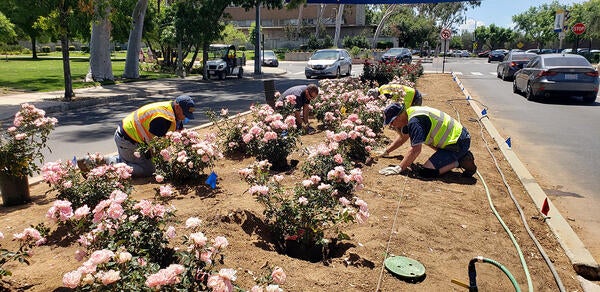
(405,268)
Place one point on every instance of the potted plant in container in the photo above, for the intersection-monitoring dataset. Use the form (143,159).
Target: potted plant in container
(21,147)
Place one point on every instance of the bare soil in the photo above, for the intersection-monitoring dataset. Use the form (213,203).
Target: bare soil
(442,223)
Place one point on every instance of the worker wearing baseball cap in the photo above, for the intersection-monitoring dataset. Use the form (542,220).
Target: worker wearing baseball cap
(149,121)
(434,128)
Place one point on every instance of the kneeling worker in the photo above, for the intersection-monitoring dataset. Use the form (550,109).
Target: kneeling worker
(147,122)
(432,127)
(411,96)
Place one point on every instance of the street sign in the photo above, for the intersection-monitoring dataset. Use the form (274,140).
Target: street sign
(446,33)
(559,20)
(578,28)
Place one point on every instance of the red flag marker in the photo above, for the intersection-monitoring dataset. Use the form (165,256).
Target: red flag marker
(545,207)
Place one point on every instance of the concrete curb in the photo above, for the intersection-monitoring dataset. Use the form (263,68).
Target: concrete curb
(582,260)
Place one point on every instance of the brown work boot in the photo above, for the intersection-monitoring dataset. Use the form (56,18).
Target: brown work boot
(467,163)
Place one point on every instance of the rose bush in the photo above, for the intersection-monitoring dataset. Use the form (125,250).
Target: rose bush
(270,136)
(182,156)
(354,139)
(22,144)
(229,131)
(311,213)
(66,180)
(28,239)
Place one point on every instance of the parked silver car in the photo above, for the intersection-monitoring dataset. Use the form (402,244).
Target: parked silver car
(557,75)
(512,63)
(329,62)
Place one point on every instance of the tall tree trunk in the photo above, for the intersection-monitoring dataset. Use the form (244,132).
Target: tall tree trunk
(205,46)
(388,12)
(179,69)
(194,56)
(338,25)
(134,46)
(64,43)
(299,27)
(320,12)
(34,47)
(100,61)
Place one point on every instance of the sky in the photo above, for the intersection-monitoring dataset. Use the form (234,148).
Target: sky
(500,12)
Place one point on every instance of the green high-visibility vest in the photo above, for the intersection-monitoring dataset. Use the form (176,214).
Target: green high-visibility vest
(393,89)
(444,129)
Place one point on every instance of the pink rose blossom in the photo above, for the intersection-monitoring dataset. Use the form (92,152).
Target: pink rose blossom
(192,222)
(72,279)
(220,242)
(81,212)
(166,191)
(101,256)
(198,238)
(303,201)
(171,232)
(159,178)
(278,275)
(124,257)
(273,288)
(110,277)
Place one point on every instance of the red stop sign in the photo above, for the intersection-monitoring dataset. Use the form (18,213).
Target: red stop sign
(578,28)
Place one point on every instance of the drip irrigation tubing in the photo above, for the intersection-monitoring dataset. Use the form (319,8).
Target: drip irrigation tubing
(521,214)
(510,234)
(387,246)
(557,279)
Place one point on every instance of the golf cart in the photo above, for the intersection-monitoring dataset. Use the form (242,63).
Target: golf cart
(223,61)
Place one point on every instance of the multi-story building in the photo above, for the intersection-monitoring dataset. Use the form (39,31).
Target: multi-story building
(279,26)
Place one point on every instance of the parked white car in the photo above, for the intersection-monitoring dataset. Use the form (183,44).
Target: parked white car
(329,62)
(461,53)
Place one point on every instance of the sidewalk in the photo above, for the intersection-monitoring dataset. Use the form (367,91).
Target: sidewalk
(51,101)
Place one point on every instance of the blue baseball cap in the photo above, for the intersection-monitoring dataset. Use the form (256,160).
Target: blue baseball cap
(187,105)
(391,112)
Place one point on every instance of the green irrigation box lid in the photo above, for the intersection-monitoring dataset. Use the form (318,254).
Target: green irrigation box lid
(405,268)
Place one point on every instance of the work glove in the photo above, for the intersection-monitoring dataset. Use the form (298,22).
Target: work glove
(390,170)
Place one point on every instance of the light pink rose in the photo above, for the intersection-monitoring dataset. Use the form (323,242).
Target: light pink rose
(72,279)
(278,275)
(220,242)
(110,277)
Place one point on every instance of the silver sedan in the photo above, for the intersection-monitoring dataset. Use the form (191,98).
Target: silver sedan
(561,75)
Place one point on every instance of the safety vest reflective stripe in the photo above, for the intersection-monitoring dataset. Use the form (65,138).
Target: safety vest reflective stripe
(140,120)
(444,129)
(137,124)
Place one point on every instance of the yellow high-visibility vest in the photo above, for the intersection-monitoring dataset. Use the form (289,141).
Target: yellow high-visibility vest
(444,129)
(394,90)
(137,123)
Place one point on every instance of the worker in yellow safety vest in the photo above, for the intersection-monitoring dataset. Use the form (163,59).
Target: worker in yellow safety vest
(149,121)
(434,128)
(399,93)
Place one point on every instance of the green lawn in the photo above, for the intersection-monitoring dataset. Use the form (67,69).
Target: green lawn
(46,73)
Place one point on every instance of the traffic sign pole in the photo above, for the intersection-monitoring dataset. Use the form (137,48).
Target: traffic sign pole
(445,34)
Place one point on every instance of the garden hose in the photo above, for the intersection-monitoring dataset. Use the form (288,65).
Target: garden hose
(519,209)
(473,273)
(510,234)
